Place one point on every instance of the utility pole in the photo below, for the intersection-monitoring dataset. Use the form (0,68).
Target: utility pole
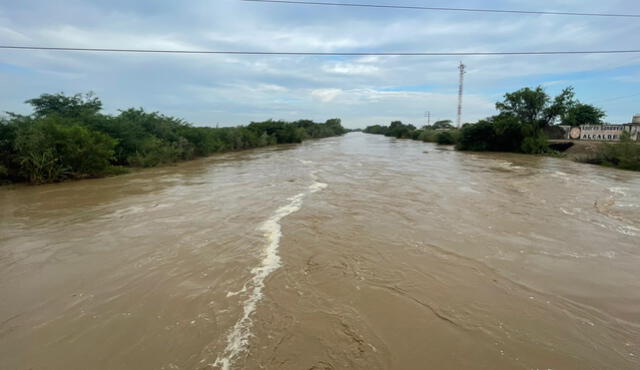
(460,92)
(428,115)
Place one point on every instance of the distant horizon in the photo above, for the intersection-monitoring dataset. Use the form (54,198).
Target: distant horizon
(223,124)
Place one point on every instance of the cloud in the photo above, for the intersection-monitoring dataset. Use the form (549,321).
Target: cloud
(231,89)
(351,69)
(326,95)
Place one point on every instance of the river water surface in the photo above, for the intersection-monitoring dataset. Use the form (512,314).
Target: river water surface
(357,252)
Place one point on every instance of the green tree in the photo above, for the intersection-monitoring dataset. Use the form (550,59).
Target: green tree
(335,125)
(534,106)
(583,114)
(78,105)
(443,124)
(399,130)
(509,133)
(502,133)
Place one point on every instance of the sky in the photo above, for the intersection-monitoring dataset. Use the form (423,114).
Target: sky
(229,90)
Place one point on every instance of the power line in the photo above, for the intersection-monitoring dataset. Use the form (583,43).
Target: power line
(446,9)
(300,53)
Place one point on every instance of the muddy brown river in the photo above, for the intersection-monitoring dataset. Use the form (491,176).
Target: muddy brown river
(357,252)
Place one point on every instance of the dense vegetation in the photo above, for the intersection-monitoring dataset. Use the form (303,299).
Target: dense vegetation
(521,122)
(625,154)
(441,132)
(67,137)
(525,120)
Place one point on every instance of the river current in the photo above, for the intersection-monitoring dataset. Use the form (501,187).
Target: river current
(355,252)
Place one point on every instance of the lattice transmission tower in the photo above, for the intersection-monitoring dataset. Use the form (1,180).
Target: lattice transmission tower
(460,93)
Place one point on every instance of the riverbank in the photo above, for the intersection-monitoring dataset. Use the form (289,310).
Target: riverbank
(623,154)
(580,151)
(67,137)
(526,119)
(119,171)
(618,154)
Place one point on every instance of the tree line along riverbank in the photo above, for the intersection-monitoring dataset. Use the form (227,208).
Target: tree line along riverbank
(67,137)
(525,121)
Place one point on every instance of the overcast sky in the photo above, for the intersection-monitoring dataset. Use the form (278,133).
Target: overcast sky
(232,90)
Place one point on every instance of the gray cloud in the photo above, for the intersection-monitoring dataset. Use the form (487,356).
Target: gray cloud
(361,90)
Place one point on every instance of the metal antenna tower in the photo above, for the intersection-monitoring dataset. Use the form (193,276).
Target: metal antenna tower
(460,92)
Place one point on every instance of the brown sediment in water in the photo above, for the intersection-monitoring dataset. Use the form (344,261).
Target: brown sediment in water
(403,261)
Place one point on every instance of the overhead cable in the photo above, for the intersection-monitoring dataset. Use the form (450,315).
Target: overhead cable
(617,98)
(473,10)
(314,53)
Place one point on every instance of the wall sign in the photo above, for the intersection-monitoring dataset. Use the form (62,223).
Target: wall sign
(600,133)
(574,133)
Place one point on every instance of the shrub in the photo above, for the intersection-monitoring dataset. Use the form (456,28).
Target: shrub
(8,132)
(399,130)
(376,130)
(68,137)
(625,154)
(415,134)
(510,133)
(4,174)
(445,138)
(536,144)
(477,137)
(428,136)
(153,152)
(503,133)
(50,151)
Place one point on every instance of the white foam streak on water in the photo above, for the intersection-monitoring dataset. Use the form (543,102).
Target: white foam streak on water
(238,338)
(567,212)
(241,291)
(628,230)
(618,190)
